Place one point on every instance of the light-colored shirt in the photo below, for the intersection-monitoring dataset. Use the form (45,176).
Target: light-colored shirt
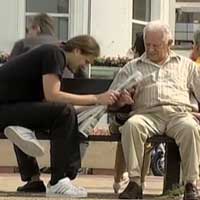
(168,84)
(198,61)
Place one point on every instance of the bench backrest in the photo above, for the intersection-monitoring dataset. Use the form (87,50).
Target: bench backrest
(85,86)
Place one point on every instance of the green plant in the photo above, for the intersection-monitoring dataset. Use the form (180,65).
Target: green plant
(111,61)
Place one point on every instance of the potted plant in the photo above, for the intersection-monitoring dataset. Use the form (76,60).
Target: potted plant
(3,57)
(107,67)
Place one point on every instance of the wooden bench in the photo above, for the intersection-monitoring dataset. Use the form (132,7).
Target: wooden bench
(172,157)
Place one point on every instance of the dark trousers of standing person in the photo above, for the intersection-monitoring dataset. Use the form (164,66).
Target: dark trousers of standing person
(61,121)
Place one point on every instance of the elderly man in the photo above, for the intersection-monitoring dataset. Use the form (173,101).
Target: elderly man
(162,106)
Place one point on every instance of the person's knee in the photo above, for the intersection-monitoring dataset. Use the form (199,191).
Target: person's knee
(66,121)
(68,113)
(190,132)
(134,128)
(68,109)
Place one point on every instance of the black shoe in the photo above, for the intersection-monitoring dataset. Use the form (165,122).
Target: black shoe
(132,191)
(36,187)
(191,192)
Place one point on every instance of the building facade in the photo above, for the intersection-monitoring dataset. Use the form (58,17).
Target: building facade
(112,22)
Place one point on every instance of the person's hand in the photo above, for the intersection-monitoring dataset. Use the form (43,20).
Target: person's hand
(100,131)
(197,115)
(125,98)
(132,92)
(107,98)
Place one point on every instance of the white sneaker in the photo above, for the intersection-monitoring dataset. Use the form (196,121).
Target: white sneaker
(24,139)
(65,188)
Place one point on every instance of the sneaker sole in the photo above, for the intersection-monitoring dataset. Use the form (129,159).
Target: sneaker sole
(27,146)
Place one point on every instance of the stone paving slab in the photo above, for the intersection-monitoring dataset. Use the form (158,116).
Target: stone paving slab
(31,196)
(98,187)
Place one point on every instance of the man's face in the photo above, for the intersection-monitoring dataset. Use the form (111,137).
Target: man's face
(156,47)
(34,30)
(80,61)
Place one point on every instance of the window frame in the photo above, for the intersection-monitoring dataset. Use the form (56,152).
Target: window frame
(78,17)
(186,6)
(140,22)
(54,15)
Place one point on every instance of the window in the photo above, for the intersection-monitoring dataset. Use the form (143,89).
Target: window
(141,14)
(58,9)
(141,10)
(187,21)
(187,0)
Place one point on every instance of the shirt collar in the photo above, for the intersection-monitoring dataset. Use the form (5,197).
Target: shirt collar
(172,55)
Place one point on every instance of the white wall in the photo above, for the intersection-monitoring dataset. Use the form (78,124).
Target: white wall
(111,25)
(110,22)
(11,19)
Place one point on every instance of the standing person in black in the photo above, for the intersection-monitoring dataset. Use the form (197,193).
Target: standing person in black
(30,97)
(40,31)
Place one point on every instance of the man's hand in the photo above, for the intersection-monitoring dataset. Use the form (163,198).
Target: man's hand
(125,98)
(107,98)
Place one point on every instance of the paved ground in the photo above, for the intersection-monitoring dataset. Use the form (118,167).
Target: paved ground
(98,186)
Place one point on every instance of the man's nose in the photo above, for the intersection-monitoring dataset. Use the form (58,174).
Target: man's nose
(151,49)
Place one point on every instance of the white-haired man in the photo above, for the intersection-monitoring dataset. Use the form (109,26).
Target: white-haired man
(162,106)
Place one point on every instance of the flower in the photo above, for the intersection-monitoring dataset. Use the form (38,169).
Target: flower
(111,61)
(3,57)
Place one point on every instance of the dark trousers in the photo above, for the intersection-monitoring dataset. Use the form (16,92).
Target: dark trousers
(61,121)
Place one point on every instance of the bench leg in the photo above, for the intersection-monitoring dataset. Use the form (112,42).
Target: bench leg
(120,166)
(172,167)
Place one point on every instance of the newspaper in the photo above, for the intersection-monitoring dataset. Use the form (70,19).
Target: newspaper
(88,119)
(86,126)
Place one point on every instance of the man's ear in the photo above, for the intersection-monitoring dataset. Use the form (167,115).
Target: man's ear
(198,48)
(38,29)
(77,51)
(170,42)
